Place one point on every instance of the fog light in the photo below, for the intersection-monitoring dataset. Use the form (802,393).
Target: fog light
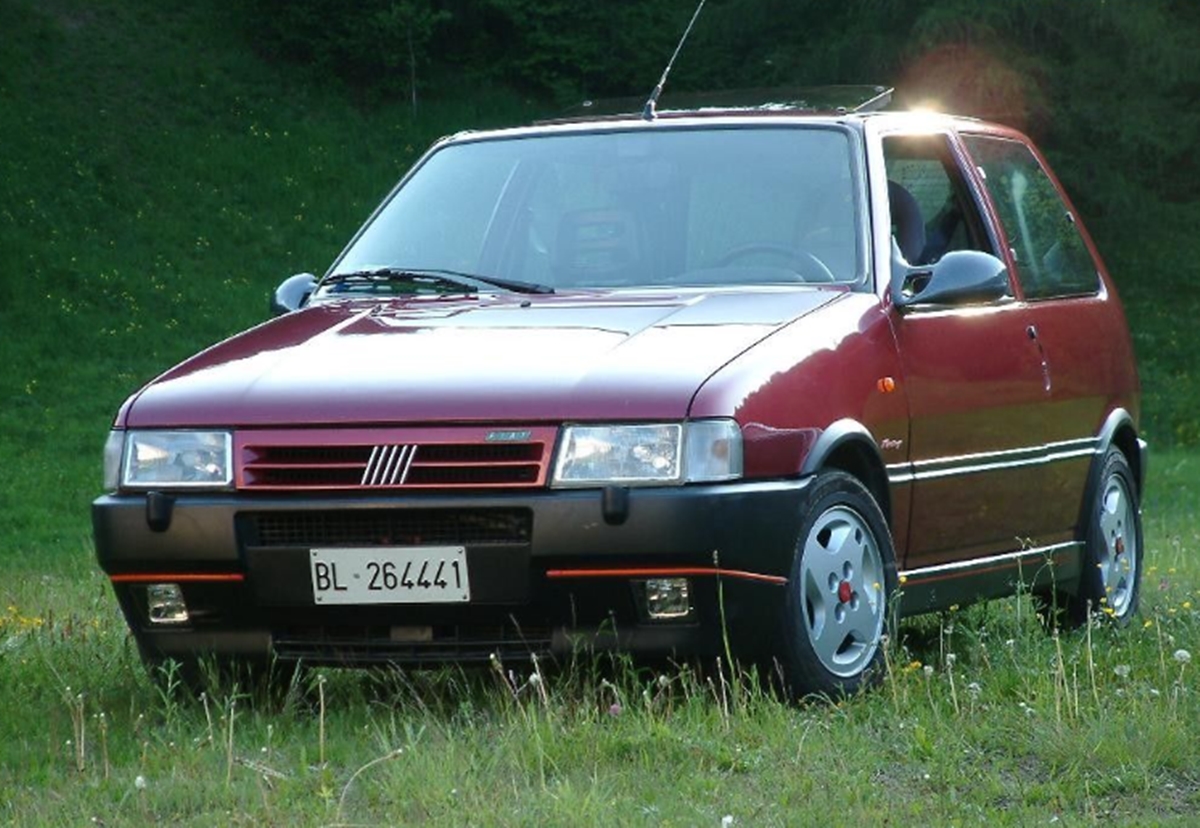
(165,604)
(667,598)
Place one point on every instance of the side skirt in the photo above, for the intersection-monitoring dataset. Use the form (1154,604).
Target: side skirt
(942,586)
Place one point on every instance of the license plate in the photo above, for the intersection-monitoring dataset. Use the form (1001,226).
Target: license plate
(390,575)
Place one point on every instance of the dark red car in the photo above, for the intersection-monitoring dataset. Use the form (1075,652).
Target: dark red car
(763,376)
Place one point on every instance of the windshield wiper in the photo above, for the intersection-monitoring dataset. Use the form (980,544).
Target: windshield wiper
(434,278)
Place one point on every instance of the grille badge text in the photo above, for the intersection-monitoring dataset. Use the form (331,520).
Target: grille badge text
(508,436)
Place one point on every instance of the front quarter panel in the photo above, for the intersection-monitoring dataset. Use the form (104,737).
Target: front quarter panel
(835,364)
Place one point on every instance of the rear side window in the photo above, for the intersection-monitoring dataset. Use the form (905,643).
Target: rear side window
(1052,259)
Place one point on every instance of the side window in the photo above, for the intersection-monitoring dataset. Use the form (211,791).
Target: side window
(932,211)
(1052,259)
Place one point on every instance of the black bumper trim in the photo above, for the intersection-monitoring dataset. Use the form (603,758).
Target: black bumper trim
(571,575)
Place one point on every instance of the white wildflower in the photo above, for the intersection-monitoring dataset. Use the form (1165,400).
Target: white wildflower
(727,821)
(1122,670)
(140,782)
(1182,656)
(927,670)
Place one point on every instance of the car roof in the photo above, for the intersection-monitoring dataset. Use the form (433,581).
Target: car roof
(812,100)
(826,105)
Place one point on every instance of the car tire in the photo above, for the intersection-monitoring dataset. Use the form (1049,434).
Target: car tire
(1110,580)
(843,577)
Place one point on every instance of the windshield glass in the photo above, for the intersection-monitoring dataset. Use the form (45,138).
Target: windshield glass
(648,207)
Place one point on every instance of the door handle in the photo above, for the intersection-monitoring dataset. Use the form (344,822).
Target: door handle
(1032,333)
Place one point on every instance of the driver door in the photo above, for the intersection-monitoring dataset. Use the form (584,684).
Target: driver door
(975,380)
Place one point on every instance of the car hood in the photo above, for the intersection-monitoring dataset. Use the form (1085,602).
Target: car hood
(469,359)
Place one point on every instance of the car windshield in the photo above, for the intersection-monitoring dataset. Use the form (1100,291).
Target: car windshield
(644,207)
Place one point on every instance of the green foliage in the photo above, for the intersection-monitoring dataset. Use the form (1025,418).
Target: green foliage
(576,50)
(1116,78)
(372,44)
(550,47)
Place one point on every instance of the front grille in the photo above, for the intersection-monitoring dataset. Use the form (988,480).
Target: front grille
(447,458)
(375,645)
(387,527)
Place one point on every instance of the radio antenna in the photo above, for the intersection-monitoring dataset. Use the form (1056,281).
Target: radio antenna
(648,109)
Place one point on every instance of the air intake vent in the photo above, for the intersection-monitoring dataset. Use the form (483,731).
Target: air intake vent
(386,527)
(451,458)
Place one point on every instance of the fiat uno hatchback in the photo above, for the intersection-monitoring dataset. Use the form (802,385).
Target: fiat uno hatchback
(758,376)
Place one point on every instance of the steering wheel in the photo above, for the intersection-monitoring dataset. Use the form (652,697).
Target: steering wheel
(810,264)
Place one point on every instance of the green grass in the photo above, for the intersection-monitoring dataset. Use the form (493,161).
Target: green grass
(156,182)
(1017,727)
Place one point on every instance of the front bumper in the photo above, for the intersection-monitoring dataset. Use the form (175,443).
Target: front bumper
(552,572)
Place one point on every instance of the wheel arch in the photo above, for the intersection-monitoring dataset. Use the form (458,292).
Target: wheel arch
(1119,430)
(848,446)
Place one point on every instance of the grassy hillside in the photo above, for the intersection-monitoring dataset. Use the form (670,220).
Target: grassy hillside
(157,180)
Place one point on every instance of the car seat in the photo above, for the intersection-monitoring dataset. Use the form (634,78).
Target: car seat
(596,247)
(908,226)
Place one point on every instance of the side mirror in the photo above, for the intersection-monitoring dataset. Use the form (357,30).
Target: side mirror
(961,277)
(292,293)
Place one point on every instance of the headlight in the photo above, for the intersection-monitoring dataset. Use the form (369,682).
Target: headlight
(177,459)
(647,455)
